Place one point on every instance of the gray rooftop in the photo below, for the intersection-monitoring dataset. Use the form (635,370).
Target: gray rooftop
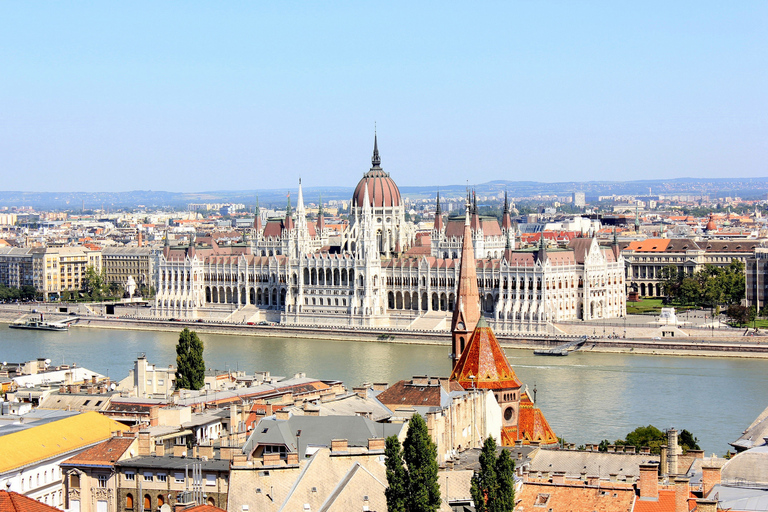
(172,463)
(318,431)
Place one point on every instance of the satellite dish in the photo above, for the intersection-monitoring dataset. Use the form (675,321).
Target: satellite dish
(47,361)
(165,508)
(112,387)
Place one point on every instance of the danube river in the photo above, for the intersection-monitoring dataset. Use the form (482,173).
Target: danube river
(586,396)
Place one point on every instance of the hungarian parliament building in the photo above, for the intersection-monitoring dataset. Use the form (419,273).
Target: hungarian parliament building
(373,274)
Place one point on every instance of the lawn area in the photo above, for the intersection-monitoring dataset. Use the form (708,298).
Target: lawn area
(645,306)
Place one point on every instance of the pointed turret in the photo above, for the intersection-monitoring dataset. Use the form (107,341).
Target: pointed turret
(467,310)
(541,254)
(257,226)
(288,224)
(376,159)
(508,247)
(320,218)
(506,219)
(475,223)
(300,202)
(438,215)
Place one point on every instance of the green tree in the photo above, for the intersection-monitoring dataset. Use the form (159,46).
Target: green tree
(738,314)
(493,486)
(670,280)
(687,441)
(645,436)
(484,487)
(190,366)
(94,283)
(505,477)
(397,476)
(690,291)
(420,455)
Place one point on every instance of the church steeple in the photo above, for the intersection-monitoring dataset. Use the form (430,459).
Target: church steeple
(375,159)
(541,255)
(467,311)
(288,223)
(438,215)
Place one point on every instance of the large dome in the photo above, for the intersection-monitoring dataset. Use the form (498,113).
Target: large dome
(382,190)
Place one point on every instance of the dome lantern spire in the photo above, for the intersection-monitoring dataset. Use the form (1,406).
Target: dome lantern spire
(376,159)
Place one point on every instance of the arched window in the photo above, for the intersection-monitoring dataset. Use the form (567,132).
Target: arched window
(147,503)
(129,501)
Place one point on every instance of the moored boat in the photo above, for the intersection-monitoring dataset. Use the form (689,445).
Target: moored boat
(39,325)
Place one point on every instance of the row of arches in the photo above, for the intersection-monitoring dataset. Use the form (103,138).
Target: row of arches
(330,277)
(159,502)
(254,296)
(412,301)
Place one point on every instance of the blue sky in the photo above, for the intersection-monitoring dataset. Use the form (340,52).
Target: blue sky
(192,96)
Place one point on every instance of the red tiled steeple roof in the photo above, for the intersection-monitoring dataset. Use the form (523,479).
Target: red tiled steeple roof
(485,361)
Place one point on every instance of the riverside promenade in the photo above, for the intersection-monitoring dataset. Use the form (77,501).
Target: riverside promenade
(641,338)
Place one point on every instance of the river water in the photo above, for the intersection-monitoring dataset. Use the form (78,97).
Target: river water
(586,397)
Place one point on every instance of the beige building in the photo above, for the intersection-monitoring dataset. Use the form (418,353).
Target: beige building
(147,381)
(646,259)
(121,262)
(89,477)
(57,269)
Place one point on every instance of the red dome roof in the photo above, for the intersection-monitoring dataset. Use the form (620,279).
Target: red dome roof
(382,190)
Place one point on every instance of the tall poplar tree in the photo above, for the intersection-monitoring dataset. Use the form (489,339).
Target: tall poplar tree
(413,488)
(397,476)
(493,486)
(421,457)
(190,365)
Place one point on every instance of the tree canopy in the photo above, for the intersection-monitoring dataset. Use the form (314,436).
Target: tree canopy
(412,484)
(493,486)
(654,438)
(710,286)
(190,365)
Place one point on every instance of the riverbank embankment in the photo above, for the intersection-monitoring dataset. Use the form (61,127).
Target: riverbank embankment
(719,346)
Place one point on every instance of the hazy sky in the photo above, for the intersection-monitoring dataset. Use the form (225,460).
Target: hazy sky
(192,96)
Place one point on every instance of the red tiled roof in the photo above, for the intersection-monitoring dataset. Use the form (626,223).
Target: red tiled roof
(485,361)
(404,394)
(103,454)
(15,502)
(204,508)
(575,497)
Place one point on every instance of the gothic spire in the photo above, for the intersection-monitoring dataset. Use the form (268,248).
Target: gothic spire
(467,311)
(438,215)
(506,203)
(376,159)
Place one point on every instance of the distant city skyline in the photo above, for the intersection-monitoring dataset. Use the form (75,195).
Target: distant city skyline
(240,96)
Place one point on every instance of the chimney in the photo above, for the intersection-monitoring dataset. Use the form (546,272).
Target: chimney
(68,378)
(558,477)
(376,443)
(93,380)
(611,448)
(592,480)
(338,445)
(228,452)
(62,389)
(179,450)
(703,505)
(419,380)
(682,493)
(194,452)
(664,468)
(380,386)
(160,449)
(629,449)
(282,415)
(696,454)
(645,450)
(672,451)
(292,458)
(614,477)
(154,416)
(361,391)
(271,459)
(710,478)
(649,482)
(234,424)
(145,446)
(205,450)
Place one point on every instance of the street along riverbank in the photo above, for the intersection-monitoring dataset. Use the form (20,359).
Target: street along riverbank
(692,345)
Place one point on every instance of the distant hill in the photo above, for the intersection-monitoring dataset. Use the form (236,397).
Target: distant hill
(747,188)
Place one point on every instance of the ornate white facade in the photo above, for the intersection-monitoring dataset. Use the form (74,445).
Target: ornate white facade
(281,272)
